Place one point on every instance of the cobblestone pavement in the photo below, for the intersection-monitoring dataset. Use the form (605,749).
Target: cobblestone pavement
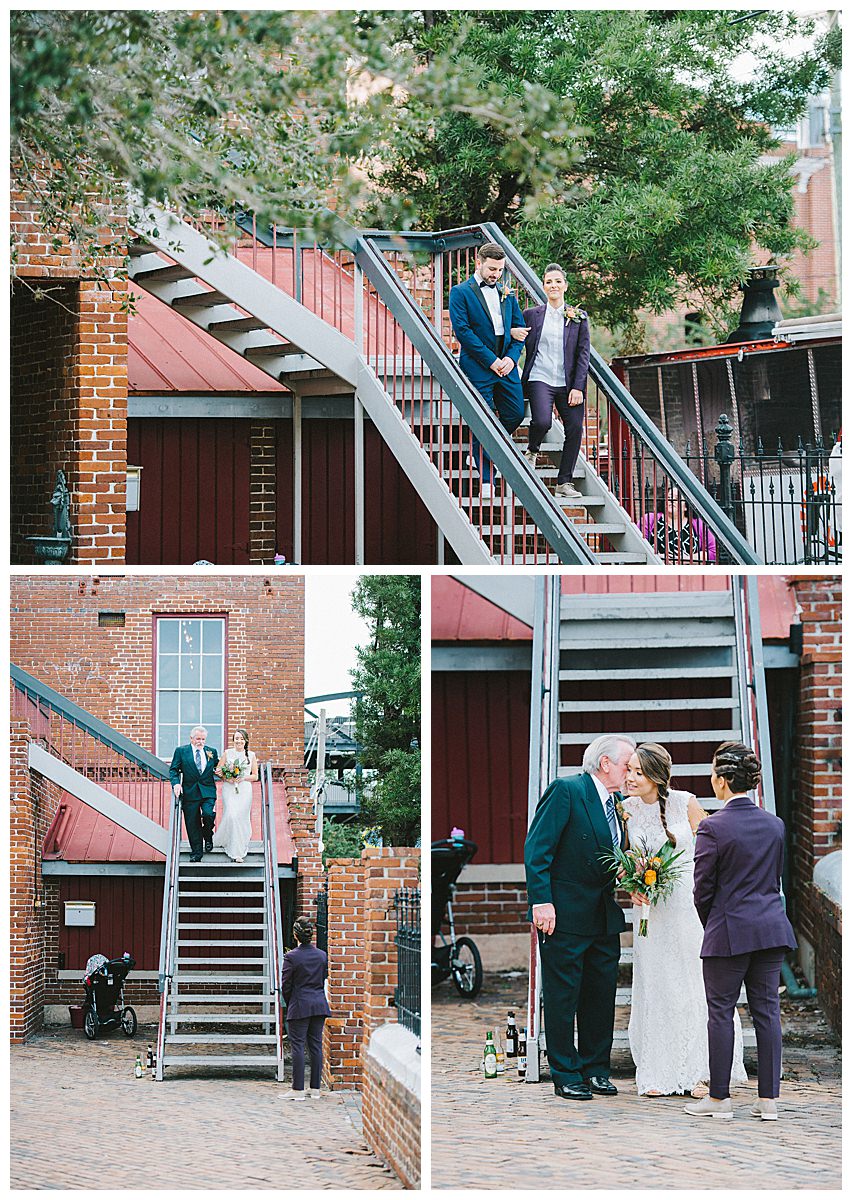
(502,1133)
(79,1119)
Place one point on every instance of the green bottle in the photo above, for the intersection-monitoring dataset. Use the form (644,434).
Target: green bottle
(137,1070)
(490,1057)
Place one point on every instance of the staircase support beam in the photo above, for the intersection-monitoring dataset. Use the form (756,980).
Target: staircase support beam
(98,798)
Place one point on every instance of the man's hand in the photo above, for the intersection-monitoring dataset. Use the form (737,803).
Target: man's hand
(519,333)
(177,789)
(575,397)
(544,917)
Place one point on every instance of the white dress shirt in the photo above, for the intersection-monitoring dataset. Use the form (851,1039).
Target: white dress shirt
(602,792)
(491,297)
(550,357)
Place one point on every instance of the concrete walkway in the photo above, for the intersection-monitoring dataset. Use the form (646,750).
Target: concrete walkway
(502,1134)
(79,1119)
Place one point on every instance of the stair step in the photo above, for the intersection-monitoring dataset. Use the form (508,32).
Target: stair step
(209,944)
(217,895)
(184,962)
(679,770)
(201,299)
(139,247)
(219,1060)
(220,1018)
(216,909)
(642,673)
(234,998)
(194,977)
(221,1039)
(641,605)
(236,325)
(193,878)
(234,925)
(272,350)
(643,640)
(702,703)
(167,273)
(664,736)
(599,528)
(619,556)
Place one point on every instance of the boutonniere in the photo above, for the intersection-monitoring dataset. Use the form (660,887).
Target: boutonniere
(619,808)
(508,291)
(209,754)
(574,314)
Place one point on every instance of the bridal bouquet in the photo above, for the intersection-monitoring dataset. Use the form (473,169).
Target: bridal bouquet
(652,876)
(232,771)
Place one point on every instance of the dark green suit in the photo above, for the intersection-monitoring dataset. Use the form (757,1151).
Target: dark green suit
(579,960)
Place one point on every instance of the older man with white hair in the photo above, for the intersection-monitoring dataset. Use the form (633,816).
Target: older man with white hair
(572,905)
(192,772)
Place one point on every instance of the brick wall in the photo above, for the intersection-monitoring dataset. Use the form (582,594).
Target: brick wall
(391,1116)
(344,1029)
(69,393)
(110,671)
(817,798)
(827,925)
(262,493)
(490,908)
(32,806)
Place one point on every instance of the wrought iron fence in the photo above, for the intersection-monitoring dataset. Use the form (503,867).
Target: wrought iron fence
(322,919)
(407,996)
(785,502)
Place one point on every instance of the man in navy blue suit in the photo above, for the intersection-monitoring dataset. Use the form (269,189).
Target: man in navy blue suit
(483,315)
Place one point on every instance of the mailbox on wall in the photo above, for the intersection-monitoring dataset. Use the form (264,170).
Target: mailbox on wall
(79,912)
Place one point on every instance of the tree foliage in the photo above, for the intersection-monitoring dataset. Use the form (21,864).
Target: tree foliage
(277,112)
(668,196)
(387,715)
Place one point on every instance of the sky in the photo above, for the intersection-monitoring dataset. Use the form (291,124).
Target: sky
(332,631)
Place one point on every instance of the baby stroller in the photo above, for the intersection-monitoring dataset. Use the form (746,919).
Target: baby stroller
(104,1008)
(457,957)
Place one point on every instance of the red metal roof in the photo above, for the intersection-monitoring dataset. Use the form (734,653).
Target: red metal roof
(78,834)
(167,353)
(460,615)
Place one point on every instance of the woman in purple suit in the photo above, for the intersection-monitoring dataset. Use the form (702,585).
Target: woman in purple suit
(555,372)
(303,975)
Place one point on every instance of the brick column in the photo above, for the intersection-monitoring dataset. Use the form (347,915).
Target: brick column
(303,827)
(818,785)
(33,803)
(343,1030)
(262,491)
(386,869)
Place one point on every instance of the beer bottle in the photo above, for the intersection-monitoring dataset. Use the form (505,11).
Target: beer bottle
(490,1057)
(522,1056)
(501,1060)
(149,1059)
(511,1036)
(137,1070)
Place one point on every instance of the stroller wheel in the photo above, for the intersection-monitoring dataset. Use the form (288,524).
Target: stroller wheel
(128,1021)
(467,968)
(90,1024)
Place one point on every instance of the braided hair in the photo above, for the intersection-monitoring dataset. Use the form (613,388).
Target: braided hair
(304,930)
(739,765)
(656,764)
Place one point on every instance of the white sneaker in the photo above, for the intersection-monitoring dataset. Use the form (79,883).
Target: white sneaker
(766,1110)
(291,1095)
(315,1093)
(532,457)
(567,491)
(469,462)
(486,491)
(721,1109)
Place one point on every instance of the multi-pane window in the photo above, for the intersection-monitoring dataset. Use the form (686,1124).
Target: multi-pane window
(190,680)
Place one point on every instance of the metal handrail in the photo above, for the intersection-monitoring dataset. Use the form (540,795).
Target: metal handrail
(550,520)
(754,710)
(168,929)
(274,932)
(98,729)
(700,500)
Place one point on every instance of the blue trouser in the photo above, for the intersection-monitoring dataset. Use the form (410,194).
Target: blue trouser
(300,1030)
(503,395)
(760,971)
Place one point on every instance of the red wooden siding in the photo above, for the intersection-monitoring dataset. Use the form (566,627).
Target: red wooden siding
(128,911)
(480,761)
(398,527)
(194,490)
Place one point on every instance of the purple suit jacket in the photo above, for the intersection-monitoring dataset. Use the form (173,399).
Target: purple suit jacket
(303,973)
(576,341)
(739,855)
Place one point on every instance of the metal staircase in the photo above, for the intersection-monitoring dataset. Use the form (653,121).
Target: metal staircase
(683,668)
(367,317)
(220,956)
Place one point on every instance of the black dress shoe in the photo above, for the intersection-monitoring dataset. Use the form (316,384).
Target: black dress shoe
(573,1091)
(195,858)
(208,847)
(602,1086)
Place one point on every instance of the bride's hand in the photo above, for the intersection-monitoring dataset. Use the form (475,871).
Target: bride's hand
(640,901)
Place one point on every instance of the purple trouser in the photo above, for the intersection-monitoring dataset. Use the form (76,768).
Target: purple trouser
(760,970)
(299,1029)
(542,398)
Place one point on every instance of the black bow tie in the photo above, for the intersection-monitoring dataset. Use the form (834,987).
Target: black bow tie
(488,285)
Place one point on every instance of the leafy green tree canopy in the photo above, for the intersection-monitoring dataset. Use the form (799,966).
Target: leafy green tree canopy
(668,195)
(387,716)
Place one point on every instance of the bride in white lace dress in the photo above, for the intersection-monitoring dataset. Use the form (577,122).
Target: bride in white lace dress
(668,1014)
(233,832)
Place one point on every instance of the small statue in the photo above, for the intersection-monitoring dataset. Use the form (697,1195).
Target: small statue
(61,501)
